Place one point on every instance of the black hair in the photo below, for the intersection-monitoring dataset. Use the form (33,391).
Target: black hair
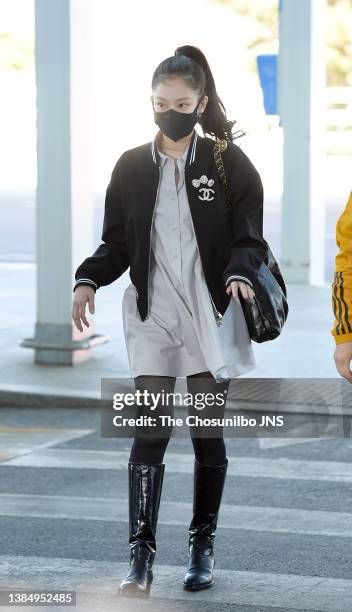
(191,64)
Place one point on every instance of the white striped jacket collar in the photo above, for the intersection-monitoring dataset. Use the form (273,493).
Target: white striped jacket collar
(191,154)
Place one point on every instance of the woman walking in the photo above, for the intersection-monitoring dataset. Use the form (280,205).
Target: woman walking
(165,219)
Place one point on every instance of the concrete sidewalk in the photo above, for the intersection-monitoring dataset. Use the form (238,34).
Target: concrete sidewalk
(304,349)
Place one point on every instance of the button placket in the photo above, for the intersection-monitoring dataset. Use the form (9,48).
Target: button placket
(174,226)
(181,205)
(175,208)
(178,233)
(180,165)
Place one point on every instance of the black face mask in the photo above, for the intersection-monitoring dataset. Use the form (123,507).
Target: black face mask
(174,124)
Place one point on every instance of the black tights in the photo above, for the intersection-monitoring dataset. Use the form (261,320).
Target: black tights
(207,450)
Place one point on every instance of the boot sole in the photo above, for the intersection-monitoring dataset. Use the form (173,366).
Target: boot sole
(197,587)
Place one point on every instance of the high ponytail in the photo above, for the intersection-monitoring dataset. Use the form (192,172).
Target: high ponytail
(191,64)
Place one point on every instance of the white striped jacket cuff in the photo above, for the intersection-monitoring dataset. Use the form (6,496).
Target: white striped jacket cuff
(237,277)
(85,281)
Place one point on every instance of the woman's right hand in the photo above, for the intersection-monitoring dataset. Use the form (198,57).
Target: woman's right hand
(246,291)
(81,296)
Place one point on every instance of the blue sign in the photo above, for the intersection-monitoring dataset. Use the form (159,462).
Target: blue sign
(267,69)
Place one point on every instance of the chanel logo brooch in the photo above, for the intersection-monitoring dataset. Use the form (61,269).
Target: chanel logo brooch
(205,193)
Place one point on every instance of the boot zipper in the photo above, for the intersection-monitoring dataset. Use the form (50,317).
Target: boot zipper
(150,236)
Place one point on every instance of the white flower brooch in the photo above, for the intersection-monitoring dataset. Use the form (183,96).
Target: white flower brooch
(205,193)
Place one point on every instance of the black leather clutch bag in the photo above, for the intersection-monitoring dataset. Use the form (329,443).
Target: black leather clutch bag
(266,314)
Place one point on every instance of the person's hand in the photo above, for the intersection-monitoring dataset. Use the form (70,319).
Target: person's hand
(246,291)
(343,356)
(82,295)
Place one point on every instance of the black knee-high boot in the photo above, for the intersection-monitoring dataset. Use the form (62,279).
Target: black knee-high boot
(208,488)
(145,478)
(209,480)
(145,485)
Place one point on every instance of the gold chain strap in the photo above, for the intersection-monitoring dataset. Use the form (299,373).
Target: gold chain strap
(219,147)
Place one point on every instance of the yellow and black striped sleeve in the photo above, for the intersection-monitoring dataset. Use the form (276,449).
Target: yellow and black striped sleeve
(342,279)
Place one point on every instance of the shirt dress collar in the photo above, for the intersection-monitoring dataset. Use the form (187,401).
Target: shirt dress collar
(189,155)
(181,160)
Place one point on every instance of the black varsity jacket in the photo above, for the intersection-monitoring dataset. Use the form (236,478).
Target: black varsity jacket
(231,247)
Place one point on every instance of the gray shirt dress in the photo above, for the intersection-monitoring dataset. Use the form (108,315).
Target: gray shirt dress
(182,334)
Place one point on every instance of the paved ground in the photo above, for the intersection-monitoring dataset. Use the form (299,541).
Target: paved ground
(283,540)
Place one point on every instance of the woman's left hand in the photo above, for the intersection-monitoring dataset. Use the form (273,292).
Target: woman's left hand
(246,291)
